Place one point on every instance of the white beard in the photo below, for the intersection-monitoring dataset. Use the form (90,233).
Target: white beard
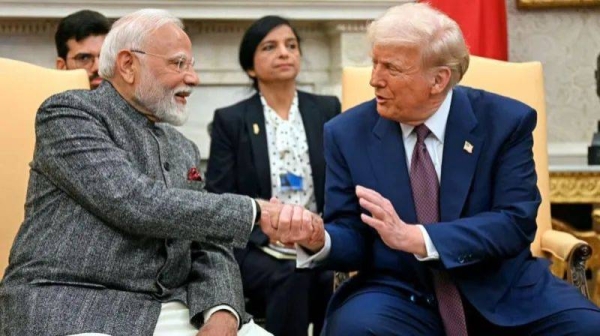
(160,101)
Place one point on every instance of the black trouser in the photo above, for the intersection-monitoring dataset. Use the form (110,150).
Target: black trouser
(289,299)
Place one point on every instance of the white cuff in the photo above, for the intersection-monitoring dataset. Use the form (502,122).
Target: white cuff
(253,212)
(208,313)
(432,252)
(305,260)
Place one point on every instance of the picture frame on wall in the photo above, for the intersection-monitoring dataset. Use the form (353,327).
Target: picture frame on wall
(527,4)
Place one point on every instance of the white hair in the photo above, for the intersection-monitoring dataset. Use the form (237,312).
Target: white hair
(131,32)
(419,25)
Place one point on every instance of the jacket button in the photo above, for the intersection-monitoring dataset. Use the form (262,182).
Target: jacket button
(167,166)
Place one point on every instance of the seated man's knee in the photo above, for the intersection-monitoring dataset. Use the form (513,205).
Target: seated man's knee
(581,322)
(382,314)
(345,321)
(585,322)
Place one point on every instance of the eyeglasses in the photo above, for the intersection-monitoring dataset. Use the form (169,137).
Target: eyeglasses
(84,60)
(180,64)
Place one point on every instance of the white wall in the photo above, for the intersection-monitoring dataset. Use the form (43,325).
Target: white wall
(567,41)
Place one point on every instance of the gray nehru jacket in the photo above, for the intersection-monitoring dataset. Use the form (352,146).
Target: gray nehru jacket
(113,226)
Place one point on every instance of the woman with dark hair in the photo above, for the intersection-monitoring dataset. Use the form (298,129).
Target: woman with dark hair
(271,145)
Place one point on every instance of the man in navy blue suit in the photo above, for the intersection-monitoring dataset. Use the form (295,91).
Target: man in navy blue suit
(431,195)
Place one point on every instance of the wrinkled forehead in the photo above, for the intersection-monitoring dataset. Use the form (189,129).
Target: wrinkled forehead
(402,53)
(169,40)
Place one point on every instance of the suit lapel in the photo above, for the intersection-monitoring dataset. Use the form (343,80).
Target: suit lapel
(388,159)
(312,119)
(458,165)
(255,126)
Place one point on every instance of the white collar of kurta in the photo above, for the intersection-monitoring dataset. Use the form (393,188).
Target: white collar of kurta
(436,123)
(286,132)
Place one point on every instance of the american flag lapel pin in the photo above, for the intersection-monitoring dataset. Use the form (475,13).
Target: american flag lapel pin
(468,147)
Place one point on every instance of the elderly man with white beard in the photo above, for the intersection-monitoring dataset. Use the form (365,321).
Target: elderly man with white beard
(119,236)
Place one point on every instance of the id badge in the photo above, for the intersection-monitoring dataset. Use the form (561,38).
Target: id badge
(291,181)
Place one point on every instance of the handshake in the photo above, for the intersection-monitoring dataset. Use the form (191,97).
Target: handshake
(291,224)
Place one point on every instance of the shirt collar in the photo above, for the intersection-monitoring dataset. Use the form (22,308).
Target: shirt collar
(436,123)
(293,108)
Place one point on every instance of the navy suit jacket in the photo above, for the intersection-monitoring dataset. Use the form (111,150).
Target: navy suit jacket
(239,157)
(488,207)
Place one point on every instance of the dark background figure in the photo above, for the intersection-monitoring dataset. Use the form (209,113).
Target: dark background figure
(78,40)
(271,145)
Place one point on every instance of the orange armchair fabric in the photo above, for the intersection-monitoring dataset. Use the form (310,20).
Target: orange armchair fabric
(23,87)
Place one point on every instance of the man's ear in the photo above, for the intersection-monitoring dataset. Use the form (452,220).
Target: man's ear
(126,66)
(61,64)
(441,79)
(251,73)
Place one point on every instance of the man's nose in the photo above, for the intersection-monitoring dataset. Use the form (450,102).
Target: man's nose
(376,79)
(191,78)
(95,64)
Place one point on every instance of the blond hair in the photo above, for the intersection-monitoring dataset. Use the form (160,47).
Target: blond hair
(419,25)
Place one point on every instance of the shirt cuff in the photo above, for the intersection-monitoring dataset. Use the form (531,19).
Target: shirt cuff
(432,252)
(209,312)
(253,212)
(306,260)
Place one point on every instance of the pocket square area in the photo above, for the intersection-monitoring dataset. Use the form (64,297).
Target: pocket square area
(194,174)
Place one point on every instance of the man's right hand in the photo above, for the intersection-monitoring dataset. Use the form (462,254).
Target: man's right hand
(221,323)
(291,224)
(269,217)
(300,226)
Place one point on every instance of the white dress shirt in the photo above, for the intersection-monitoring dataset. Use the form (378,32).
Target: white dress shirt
(288,152)
(435,147)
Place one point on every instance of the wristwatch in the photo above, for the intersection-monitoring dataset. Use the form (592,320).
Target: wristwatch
(257,218)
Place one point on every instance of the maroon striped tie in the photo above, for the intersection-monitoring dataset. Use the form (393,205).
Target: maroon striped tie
(426,194)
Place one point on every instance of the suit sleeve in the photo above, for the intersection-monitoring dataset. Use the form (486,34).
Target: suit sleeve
(220,172)
(509,227)
(350,238)
(214,280)
(75,151)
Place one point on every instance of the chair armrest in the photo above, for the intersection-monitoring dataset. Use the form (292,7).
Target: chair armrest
(566,249)
(340,277)
(561,244)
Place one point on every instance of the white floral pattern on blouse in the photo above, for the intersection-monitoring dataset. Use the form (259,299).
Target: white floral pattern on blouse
(288,152)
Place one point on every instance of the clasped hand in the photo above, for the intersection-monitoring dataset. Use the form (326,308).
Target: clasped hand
(292,224)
